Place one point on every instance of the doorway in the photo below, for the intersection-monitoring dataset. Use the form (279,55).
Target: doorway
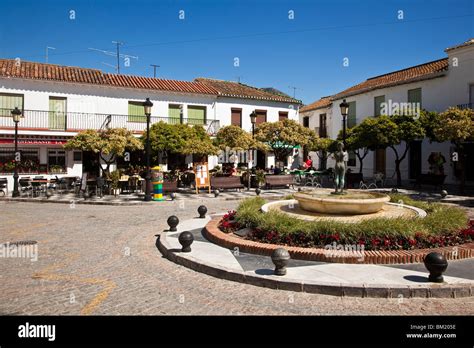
(415,159)
(380,160)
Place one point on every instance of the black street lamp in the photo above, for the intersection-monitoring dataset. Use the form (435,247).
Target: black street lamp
(16,114)
(147,106)
(253,120)
(344,111)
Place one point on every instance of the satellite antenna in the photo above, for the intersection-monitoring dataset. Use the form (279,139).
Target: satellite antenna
(154,69)
(47,49)
(115,54)
(294,90)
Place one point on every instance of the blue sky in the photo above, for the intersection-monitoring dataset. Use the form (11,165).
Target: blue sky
(306,52)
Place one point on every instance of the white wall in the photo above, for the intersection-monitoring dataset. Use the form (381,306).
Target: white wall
(437,95)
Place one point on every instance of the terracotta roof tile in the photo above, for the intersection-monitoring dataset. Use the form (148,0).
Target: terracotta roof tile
(324,102)
(415,73)
(464,44)
(239,90)
(40,71)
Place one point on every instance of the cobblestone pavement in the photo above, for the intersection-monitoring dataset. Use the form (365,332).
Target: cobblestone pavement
(96,260)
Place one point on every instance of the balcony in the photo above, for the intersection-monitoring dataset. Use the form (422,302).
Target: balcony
(77,121)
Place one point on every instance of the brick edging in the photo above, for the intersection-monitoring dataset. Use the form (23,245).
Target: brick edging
(215,235)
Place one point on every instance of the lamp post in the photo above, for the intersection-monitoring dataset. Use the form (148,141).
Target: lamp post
(147,105)
(16,115)
(253,120)
(344,111)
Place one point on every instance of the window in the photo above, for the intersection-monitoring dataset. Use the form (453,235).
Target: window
(351,116)
(29,160)
(175,113)
(196,114)
(261,116)
(306,121)
(323,126)
(414,96)
(56,159)
(236,117)
(136,112)
(282,115)
(8,102)
(57,113)
(378,105)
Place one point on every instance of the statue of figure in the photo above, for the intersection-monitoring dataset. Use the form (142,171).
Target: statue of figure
(339,169)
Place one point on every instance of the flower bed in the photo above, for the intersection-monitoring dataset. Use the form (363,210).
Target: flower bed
(443,226)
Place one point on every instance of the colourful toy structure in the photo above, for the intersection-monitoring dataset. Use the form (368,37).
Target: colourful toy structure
(157,182)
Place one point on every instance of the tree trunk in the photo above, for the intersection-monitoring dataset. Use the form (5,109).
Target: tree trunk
(399,160)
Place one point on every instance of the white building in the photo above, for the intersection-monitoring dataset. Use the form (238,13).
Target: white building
(59,101)
(435,85)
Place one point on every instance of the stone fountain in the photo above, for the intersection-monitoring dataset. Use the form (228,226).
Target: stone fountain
(342,205)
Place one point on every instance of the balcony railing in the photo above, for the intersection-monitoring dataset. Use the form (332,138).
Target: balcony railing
(465,106)
(77,121)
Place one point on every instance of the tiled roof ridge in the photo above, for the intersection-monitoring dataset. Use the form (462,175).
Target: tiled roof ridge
(405,69)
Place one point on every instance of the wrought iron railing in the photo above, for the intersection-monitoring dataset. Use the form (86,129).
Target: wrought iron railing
(465,106)
(77,121)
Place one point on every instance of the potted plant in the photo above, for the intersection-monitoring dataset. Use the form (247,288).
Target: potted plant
(55,169)
(114,178)
(260,177)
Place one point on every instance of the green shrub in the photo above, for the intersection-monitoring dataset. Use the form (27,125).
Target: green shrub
(441,221)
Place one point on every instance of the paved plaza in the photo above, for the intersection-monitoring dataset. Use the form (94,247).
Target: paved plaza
(96,260)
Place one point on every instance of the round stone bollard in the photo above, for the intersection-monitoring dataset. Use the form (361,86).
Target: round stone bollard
(444,194)
(280,258)
(436,264)
(202,210)
(186,238)
(173,196)
(216,193)
(49,193)
(173,221)
(258,191)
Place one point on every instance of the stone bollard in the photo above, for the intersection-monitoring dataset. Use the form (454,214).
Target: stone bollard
(202,210)
(186,238)
(436,264)
(280,258)
(173,221)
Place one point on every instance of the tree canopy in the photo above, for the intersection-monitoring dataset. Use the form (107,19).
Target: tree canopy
(283,136)
(235,138)
(454,125)
(180,139)
(109,143)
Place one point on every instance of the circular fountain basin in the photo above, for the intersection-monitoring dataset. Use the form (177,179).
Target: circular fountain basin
(354,202)
(292,208)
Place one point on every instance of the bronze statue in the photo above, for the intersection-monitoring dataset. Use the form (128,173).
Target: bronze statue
(339,169)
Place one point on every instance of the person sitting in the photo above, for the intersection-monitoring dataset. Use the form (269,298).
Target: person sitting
(277,171)
(308,164)
(271,170)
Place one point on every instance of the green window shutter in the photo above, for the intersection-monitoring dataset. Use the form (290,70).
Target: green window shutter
(414,96)
(136,112)
(8,102)
(174,114)
(196,114)
(351,116)
(378,105)
(57,113)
